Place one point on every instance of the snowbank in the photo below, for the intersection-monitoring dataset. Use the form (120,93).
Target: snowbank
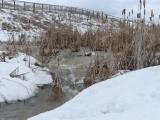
(132,96)
(23,86)
(35,75)
(12,89)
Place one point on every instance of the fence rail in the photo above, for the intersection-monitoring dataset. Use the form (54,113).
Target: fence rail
(38,7)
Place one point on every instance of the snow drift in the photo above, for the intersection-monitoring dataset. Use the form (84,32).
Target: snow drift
(132,96)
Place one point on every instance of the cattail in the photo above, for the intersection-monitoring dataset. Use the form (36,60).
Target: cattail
(140,1)
(144,3)
(150,18)
(129,14)
(152,13)
(124,12)
(138,15)
(132,12)
(144,12)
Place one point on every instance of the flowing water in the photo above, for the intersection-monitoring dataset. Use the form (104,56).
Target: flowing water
(42,102)
(73,69)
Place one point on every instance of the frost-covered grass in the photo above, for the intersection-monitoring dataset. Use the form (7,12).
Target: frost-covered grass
(132,96)
(24,87)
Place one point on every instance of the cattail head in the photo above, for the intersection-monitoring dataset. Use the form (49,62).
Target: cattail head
(140,3)
(150,18)
(132,12)
(138,15)
(152,13)
(144,4)
(124,12)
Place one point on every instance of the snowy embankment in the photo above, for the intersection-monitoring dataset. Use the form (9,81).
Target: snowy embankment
(132,96)
(25,84)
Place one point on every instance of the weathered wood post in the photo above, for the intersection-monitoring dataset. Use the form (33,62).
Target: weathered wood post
(93,13)
(102,16)
(2,3)
(34,7)
(14,5)
(55,8)
(82,11)
(3,57)
(49,8)
(88,13)
(60,7)
(24,6)
(97,15)
(42,7)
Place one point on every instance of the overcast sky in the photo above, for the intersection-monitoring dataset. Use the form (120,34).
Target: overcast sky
(113,7)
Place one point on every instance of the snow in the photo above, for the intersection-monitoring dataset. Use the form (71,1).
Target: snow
(18,23)
(35,75)
(22,87)
(40,78)
(12,89)
(14,20)
(132,96)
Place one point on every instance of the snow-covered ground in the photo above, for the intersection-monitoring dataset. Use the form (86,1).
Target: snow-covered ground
(14,23)
(132,96)
(23,86)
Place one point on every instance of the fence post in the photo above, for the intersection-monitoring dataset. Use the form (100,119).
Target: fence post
(24,6)
(55,8)
(33,7)
(61,8)
(2,3)
(76,10)
(102,15)
(42,7)
(14,5)
(49,8)
(67,9)
(93,13)
(88,13)
(97,15)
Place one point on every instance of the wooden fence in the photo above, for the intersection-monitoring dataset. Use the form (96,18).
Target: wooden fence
(38,7)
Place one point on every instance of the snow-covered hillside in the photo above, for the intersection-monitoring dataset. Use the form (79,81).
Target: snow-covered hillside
(14,23)
(133,96)
(23,86)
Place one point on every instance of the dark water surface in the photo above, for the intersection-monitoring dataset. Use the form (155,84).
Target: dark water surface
(42,102)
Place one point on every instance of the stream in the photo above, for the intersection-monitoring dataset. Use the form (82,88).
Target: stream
(42,102)
(73,69)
